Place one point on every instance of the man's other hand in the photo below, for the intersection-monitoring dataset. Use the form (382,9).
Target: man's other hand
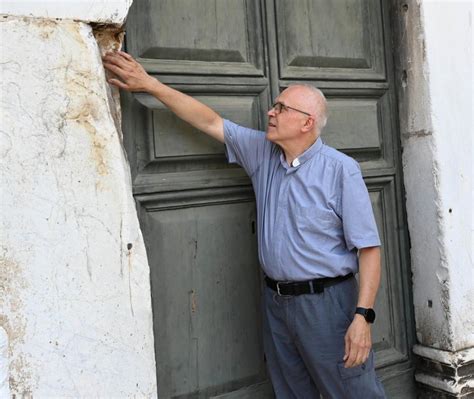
(358,342)
(129,74)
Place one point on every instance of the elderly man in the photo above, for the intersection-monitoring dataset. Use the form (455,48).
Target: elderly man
(316,229)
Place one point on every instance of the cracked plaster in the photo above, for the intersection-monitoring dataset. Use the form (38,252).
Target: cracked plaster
(75,291)
(434,70)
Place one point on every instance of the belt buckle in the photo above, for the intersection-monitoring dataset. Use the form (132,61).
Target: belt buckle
(278,287)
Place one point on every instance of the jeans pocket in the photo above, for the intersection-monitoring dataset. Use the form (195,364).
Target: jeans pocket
(352,372)
(361,381)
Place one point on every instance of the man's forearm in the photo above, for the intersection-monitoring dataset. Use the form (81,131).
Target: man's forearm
(131,76)
(369,276)
(187,108)
(358,340)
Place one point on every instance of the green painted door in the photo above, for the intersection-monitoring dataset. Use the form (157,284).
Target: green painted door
(198,214)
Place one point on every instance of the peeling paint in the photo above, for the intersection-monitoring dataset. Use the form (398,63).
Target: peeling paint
(12,319)
(431,277)
(66,219)
(84,109)
(447,371)
(111,38)
(435,125)
(418,133)
(108,37)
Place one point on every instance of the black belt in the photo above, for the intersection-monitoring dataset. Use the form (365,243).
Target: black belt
(316,286)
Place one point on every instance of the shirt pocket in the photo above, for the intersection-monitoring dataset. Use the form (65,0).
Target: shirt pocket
(312,215)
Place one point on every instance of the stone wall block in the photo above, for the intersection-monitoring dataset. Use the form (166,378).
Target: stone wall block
(421,178)
(74,284)
(434,71)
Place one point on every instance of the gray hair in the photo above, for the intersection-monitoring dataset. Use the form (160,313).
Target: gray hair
(321,108)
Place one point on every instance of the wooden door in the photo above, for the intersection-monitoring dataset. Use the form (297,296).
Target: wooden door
(198,214)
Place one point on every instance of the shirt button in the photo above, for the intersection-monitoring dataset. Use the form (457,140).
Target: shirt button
(296,162)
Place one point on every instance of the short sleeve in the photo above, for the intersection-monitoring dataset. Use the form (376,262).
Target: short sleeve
(244,146)
(360,229)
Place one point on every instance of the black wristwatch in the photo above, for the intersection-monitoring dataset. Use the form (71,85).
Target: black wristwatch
(369,314)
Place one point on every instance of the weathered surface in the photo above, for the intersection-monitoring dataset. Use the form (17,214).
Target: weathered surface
(449,59)
(436,126)
(104,11)
(421,178)
(74,282)
(448,372)
(434,70)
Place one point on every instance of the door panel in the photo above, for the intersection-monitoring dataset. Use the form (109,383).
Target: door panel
(221,37)
(354,125)
(167,144)
(389,342)
(173,137)
(198,213)
(323,39)
(206,296)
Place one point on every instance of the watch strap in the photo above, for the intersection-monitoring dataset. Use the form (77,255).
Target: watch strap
(368,313)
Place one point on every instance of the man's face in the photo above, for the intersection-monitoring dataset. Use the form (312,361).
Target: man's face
(286,125)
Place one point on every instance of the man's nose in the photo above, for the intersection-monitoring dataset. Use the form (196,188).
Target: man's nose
(271,112)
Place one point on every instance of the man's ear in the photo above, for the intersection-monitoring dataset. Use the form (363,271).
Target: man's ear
(309,124)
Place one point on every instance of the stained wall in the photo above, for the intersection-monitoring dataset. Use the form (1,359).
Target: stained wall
(75,298)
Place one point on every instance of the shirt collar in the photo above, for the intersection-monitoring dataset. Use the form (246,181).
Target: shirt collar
(302,158)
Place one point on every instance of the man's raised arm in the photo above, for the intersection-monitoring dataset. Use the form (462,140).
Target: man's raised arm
(132,77)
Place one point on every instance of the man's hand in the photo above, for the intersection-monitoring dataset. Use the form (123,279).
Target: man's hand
(358,342)
(132,75)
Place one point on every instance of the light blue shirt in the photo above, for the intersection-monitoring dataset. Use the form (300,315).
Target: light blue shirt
(313,216)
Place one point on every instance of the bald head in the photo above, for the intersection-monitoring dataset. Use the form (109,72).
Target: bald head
(314,102)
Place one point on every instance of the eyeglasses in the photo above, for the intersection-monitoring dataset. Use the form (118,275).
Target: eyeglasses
(278,107)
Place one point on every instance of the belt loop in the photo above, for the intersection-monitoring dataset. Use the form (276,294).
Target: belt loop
(278,288)
(319,287)
(311,287)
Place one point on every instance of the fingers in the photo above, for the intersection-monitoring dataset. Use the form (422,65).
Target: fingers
(117,60)
(352,357)
(357,345)
(118,83)
(357,356)
(347,347)
(125,55)
(132,76)
(116,70)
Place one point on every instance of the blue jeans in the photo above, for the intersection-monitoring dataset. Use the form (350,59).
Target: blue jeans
(304,345)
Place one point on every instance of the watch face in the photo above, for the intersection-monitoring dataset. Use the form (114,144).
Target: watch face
(370,315)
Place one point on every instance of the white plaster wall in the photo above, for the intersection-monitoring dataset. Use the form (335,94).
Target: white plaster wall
(448,37)
(419,169)
(101,11)
(74,283)
(435,94)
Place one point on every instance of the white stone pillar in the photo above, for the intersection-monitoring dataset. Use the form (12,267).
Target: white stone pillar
(434,72)
(74,279)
